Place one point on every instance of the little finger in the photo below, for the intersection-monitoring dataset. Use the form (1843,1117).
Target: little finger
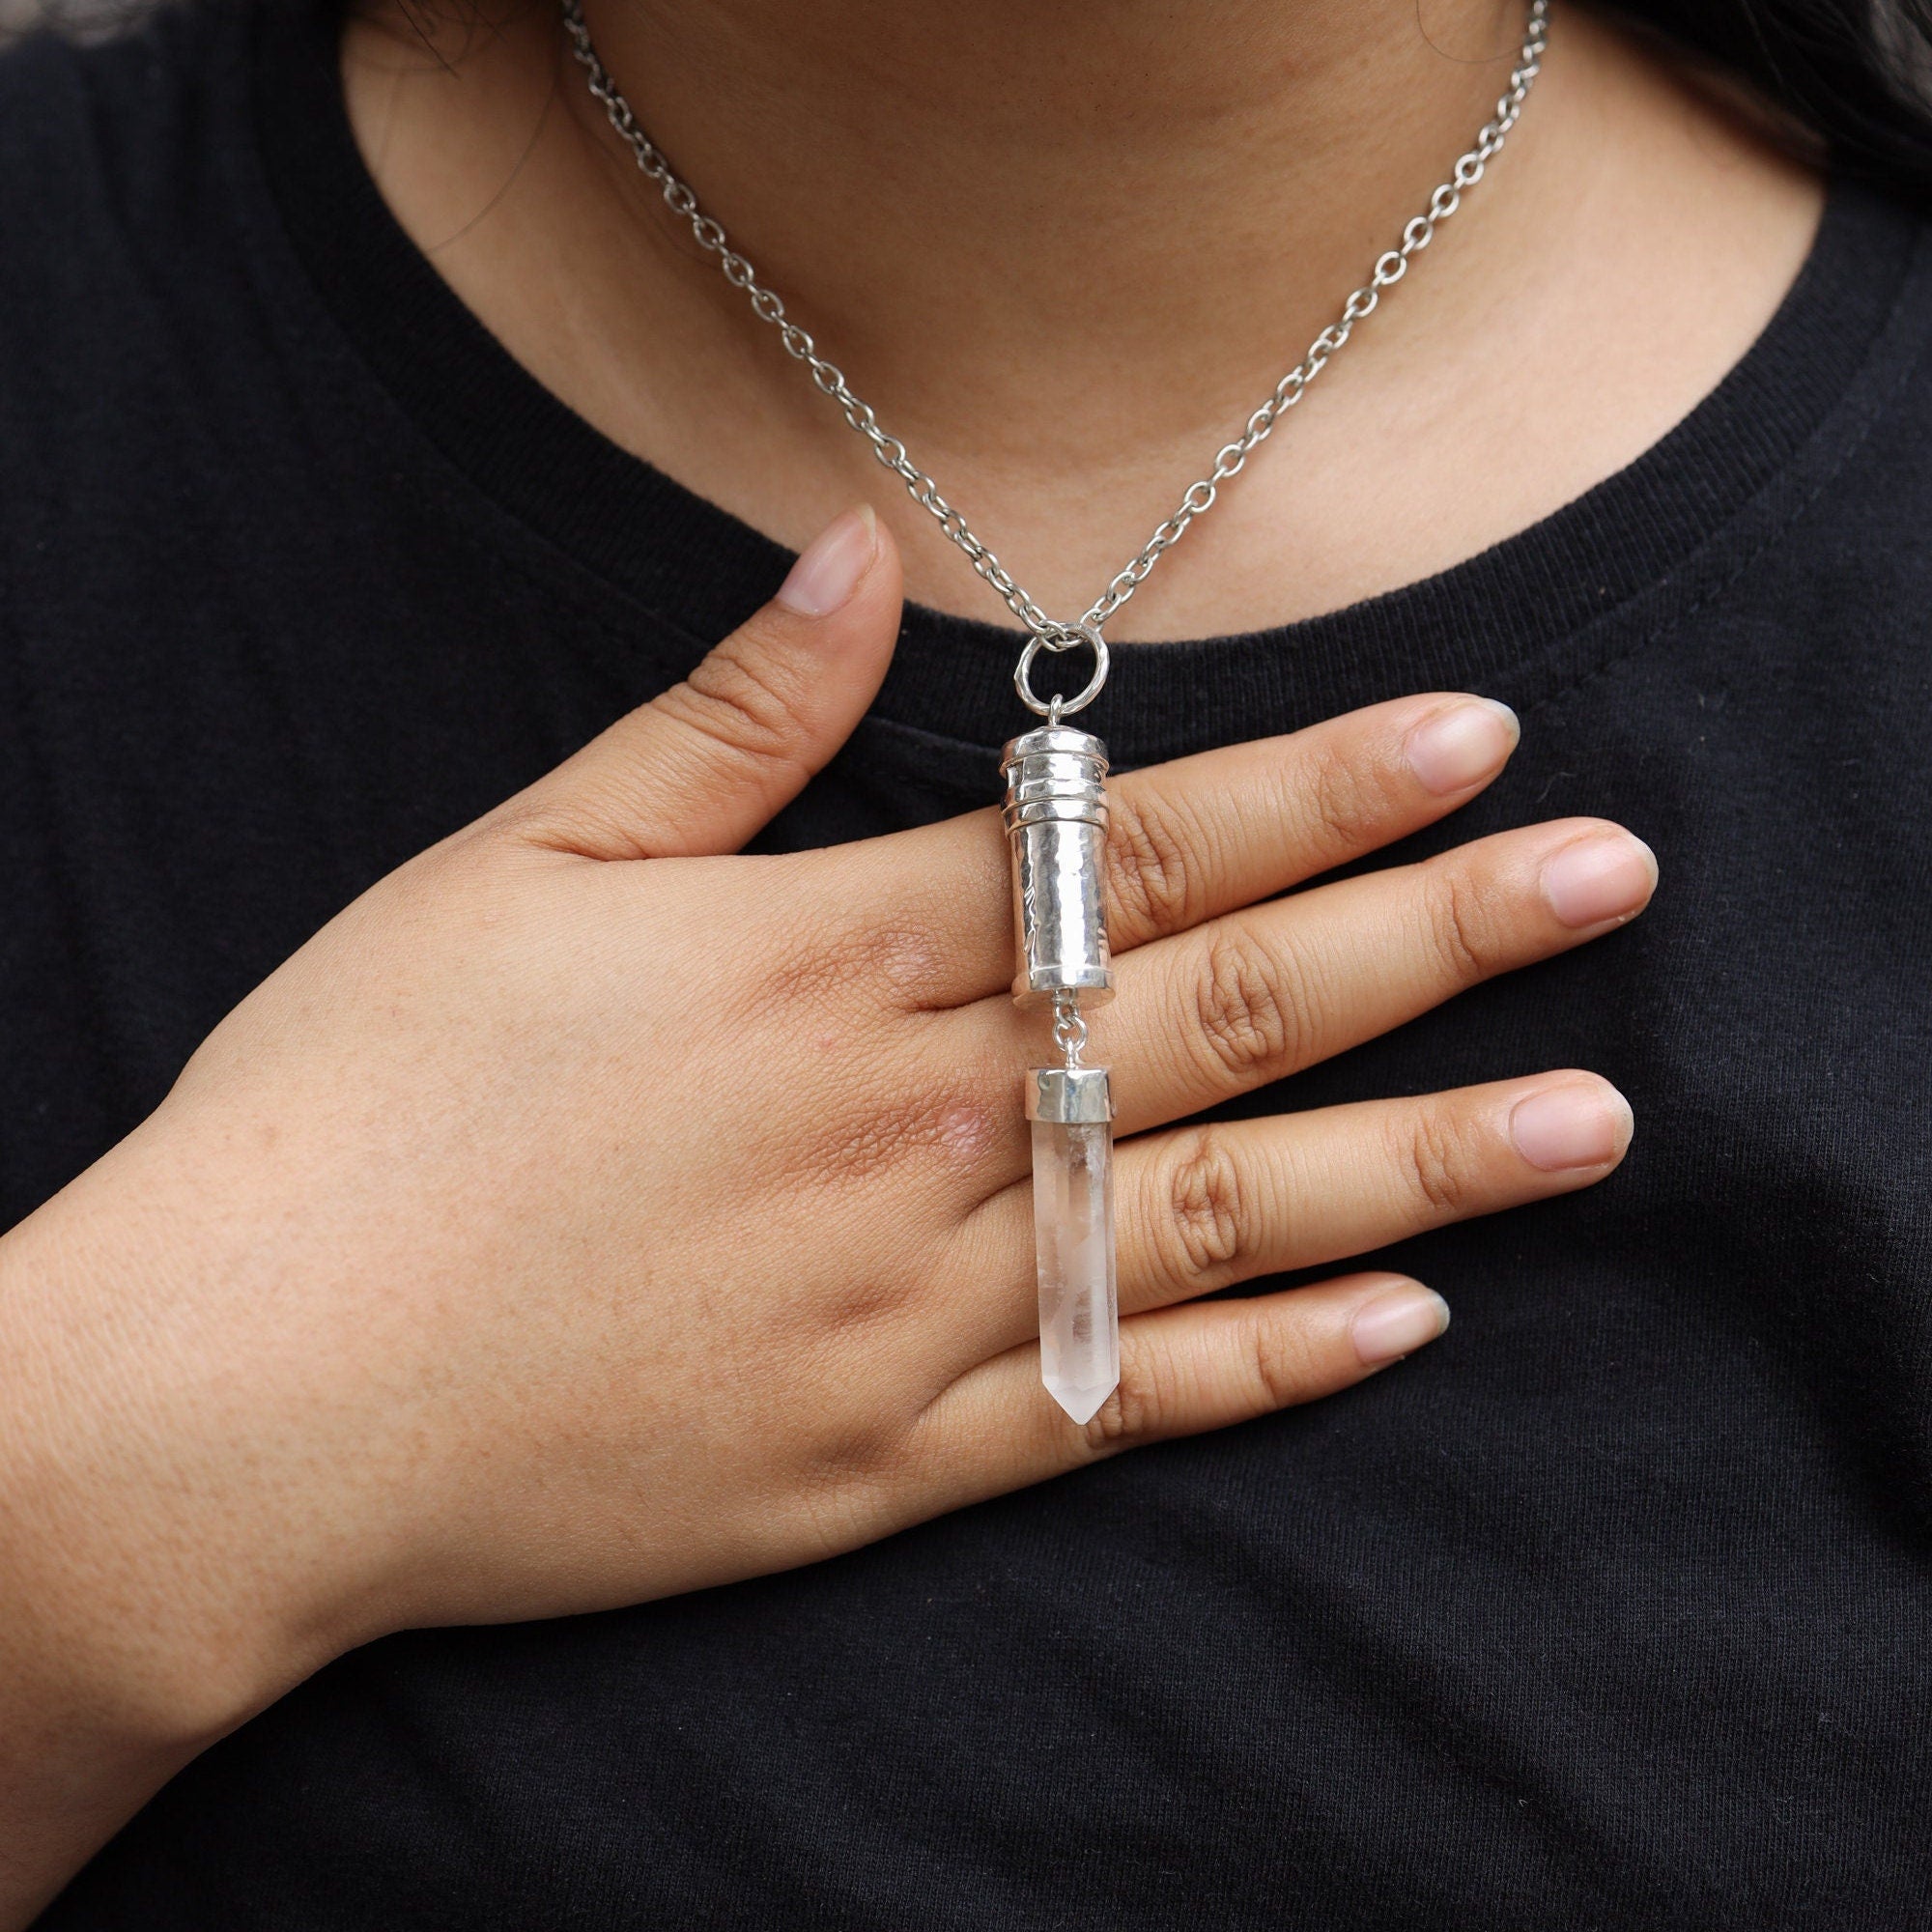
(1183,1371)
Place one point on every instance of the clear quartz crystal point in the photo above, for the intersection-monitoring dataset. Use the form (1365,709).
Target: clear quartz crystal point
(1074,1227)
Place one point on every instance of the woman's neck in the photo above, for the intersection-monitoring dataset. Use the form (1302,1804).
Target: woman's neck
(1088,219)
(1066,250)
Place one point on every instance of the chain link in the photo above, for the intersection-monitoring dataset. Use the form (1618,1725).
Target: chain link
(1069,1029)
(1051,634)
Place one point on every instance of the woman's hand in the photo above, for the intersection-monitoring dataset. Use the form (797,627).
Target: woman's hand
(587,1214)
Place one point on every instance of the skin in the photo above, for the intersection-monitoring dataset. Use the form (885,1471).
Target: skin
(448,1283)
(1081,281)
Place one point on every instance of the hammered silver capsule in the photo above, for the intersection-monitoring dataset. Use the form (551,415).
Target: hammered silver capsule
(1056,818)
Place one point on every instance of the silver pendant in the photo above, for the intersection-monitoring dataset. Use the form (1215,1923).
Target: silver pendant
(1056,818)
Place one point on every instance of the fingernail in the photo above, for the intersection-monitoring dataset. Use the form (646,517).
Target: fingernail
(1607,876)
(1572,1126)
(1398,1323)
(1454,749)
(827,572)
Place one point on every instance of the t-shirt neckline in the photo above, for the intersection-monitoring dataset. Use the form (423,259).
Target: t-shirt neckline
(1483,624)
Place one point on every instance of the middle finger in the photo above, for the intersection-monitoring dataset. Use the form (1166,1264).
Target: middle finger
(1258,995)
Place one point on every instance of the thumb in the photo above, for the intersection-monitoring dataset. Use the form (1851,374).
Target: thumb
(705,764)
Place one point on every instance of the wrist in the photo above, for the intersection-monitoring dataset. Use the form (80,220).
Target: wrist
(155,1579)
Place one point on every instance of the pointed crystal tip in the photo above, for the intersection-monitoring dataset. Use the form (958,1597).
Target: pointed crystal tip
(1083,1404)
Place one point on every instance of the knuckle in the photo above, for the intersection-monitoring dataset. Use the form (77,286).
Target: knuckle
(821,937)
(813,974)
(1462,925)
(740,698)
(883,1108)
(1245,1005)
(1434,1154)
(1345,795)
(1151,877)
(1282,1359)
(1140,1409)
(911,964)
(810,961)
(950,1130)
(1203,1229)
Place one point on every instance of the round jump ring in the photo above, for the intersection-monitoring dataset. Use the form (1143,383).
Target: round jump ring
(1061,638)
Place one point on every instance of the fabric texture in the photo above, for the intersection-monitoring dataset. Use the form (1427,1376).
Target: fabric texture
(1610,1611)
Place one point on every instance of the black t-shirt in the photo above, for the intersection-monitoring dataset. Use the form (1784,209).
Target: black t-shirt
(1610,1611)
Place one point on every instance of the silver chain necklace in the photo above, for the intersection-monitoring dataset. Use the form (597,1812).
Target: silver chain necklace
(1050,634)
(1056,806)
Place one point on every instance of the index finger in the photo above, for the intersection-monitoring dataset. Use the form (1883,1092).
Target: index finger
(1209,834)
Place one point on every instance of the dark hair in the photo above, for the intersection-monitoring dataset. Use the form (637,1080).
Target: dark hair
(1856,76)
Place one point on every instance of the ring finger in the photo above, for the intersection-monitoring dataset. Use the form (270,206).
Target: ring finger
(1202,1208)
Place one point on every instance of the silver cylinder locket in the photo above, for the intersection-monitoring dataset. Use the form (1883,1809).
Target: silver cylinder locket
(1056,815)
